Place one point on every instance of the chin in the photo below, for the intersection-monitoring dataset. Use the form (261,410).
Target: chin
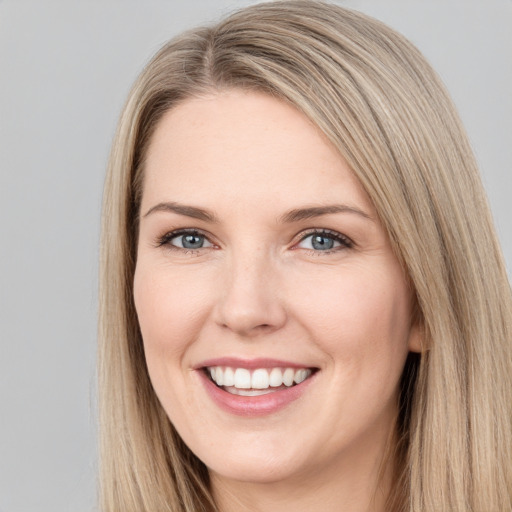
(258,470)
(260,462)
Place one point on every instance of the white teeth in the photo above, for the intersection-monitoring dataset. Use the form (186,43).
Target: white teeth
(301,375)
(242,379)
(259,379)
(248,392)
(229,377)
(276,377)
(288,376)
(219,377)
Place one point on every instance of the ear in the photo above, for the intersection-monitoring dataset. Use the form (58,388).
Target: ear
(416,341)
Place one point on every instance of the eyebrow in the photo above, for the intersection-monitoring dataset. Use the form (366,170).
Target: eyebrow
(289,217)
(317,211)
(181,209)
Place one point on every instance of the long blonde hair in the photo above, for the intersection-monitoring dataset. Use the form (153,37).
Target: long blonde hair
(374,96)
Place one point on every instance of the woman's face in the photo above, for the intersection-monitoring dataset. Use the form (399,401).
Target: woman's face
(261,262)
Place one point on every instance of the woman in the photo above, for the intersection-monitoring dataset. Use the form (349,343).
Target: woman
(303,299)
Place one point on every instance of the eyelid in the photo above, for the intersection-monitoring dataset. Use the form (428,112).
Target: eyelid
(345,241)
(165,240)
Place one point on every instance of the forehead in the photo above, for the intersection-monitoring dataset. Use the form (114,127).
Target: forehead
(244,146)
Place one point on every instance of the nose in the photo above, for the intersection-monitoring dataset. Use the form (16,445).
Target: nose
(250,301)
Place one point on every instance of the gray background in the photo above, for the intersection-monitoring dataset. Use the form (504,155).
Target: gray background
(65,69)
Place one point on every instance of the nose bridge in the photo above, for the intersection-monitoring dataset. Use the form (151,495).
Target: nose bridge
(250,300)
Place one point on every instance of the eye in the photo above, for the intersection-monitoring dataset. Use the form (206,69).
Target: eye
(185,239)
(324,241)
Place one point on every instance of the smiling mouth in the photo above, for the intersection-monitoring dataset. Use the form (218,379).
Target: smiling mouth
(260,381)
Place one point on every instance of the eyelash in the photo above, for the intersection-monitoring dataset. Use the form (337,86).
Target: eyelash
(345,242)
(166,240)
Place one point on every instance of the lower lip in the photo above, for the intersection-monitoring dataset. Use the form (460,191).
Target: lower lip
(254,405)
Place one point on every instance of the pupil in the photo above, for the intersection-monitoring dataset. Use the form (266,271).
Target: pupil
(192,241)
(322,243)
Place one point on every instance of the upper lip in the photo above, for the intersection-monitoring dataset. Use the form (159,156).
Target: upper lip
(260,362)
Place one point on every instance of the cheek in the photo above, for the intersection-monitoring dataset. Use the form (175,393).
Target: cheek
(171,308)
(361,318)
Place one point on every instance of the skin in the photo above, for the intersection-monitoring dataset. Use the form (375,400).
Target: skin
(258,288)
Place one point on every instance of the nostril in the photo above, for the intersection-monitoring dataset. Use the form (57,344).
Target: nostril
(249,307)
